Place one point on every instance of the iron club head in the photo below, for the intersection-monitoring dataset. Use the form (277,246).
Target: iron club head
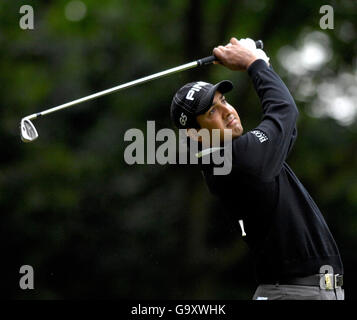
(28,131)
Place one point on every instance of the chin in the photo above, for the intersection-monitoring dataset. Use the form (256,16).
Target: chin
(238,131)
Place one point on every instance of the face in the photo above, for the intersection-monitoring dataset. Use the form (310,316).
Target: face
(221,116)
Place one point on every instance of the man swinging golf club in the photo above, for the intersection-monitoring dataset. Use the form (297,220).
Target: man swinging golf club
(296,256)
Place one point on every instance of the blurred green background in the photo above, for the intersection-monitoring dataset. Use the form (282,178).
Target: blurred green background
(92,226)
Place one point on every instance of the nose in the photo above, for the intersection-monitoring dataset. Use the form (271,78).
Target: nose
(225,110)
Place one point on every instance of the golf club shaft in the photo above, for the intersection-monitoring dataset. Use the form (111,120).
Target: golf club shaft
(117,88)
(193,64)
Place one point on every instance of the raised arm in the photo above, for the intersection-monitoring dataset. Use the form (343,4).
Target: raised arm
(264,149)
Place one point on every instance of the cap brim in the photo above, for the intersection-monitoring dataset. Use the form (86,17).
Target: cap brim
(206,101)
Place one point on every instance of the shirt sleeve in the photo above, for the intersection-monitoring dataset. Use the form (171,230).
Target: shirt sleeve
(264,149)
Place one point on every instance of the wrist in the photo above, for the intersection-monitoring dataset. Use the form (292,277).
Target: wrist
(256,67)
(250,62)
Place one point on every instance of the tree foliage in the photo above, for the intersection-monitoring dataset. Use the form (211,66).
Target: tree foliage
(94,227)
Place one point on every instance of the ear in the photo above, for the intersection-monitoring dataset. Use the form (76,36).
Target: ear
(193,134)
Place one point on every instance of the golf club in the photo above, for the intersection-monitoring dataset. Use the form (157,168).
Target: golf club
(29,132)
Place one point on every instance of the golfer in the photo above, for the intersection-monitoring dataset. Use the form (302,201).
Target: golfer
(295,254)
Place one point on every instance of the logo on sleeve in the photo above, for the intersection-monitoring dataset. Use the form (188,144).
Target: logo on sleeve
(260,135)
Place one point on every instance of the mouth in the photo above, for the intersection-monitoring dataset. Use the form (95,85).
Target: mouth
(231,122)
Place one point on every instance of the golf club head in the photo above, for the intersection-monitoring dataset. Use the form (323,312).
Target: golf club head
(259,44)
(28,131)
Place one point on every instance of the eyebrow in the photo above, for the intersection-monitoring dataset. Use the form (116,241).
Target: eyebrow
(220,98)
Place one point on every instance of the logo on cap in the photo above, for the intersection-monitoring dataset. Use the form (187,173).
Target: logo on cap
(195,88)
(183,119)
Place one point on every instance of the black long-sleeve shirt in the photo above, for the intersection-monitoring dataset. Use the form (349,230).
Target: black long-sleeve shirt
(283,225)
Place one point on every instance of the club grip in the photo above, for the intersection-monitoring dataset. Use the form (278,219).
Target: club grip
(207,60)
